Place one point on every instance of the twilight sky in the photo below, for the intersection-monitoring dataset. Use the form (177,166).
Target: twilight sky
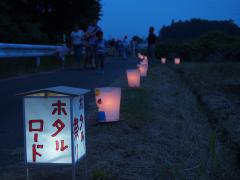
(133,17)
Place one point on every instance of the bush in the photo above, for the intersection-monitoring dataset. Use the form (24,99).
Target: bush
(213,46)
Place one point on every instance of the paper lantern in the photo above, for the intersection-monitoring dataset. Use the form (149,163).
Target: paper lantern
(54,124)
(177,61)
(133,77)
(163,60)
(143,68)
(108,101)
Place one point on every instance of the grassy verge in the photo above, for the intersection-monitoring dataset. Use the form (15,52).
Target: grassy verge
(163,134)
(15,66)
(214,85)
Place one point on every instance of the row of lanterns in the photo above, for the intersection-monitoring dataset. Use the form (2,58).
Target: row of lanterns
(176,60)
(54,118)
(108,100)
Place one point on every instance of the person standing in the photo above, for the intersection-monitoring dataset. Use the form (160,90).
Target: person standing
(100,52)
(125,44)
(133,47)
(90,43)
(152,38)
(77,36)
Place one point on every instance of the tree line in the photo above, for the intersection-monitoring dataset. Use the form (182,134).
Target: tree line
(200,40)
(44,21)
(194,28)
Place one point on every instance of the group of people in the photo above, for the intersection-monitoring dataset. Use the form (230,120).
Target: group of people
(89,46)
(123,47)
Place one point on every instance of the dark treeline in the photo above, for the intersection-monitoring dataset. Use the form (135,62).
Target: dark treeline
(183,30)
(44,21)
(200,40)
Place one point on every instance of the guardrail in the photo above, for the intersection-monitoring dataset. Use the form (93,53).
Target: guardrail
(29,50)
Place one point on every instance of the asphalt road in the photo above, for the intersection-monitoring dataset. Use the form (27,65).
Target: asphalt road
(11,117)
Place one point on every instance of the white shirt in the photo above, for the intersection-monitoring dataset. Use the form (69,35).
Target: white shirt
(77,37)
(92,30)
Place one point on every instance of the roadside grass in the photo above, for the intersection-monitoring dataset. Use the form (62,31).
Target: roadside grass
(14,66)
(215,86)
(154,138)
(163,134)
(137,107)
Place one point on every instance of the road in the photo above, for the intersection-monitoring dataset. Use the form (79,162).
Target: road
(11,129)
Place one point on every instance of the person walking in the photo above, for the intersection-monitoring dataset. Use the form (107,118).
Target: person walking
(90,38)
(77,36)
(152,38)
(100,52)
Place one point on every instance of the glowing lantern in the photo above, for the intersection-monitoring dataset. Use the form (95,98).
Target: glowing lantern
(54,123)
(177,61)
(143,68)
(108,102)
(133,77)
(163,60)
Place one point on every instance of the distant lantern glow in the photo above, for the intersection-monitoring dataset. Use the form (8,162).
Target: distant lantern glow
(133,77)
(163,60)
(108,102)
(177,61)
(143,68)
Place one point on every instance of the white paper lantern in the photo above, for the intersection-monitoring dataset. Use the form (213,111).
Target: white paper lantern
(143,68)
(177,61)
(133,77)
(163,60)
(108,101)
(54,123)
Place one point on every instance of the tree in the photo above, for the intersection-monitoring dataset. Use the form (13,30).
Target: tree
(33,19)
(187,30)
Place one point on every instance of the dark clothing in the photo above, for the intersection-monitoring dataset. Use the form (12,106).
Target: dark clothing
(152,38)
(100,53)
(100,61)
(78,52)
(90,56)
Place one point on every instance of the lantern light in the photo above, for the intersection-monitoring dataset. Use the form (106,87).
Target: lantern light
(108,101)
(163,60)
(47,112)
(133,77)
(177,61)
(143,68)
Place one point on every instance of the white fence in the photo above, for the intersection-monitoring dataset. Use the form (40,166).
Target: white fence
(28,50)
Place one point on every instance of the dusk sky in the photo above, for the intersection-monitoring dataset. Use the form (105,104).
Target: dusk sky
(133,17)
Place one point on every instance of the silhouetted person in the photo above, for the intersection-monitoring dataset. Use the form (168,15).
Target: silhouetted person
(152,38)
(100,51)
(90,43)
(125,47)
(77,36)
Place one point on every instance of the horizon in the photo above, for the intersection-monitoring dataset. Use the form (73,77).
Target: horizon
(136,19)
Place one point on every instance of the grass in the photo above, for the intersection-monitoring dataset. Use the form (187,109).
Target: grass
(163,134)
(15,66)
(213,84)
